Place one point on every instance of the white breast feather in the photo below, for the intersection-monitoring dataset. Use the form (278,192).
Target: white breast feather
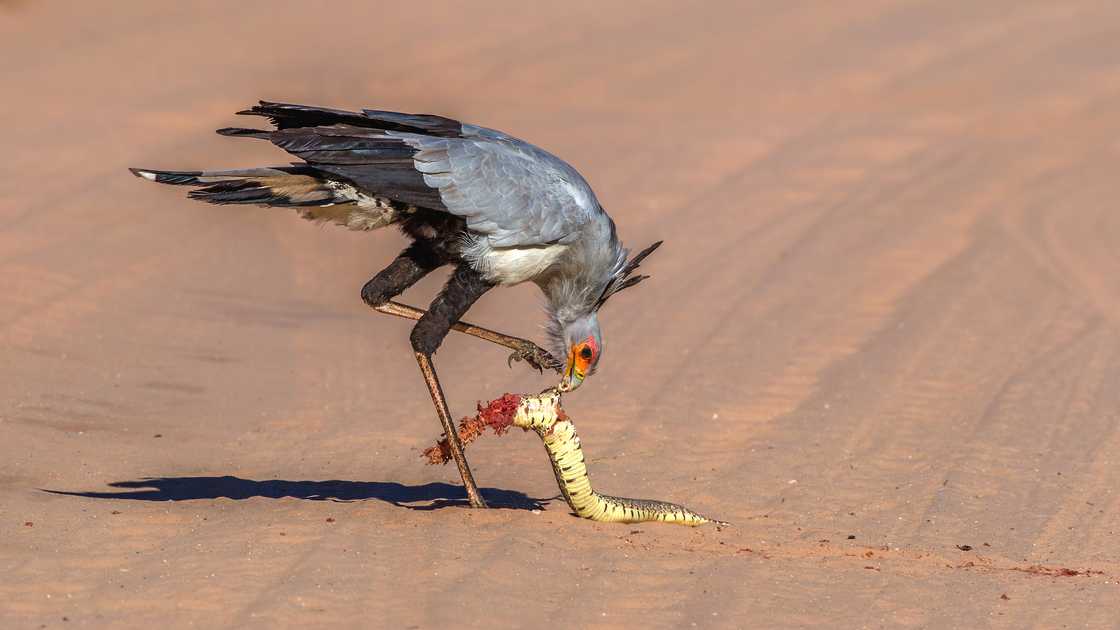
(512,265)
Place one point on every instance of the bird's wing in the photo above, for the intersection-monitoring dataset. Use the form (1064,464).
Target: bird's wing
(507,190)
(368,158)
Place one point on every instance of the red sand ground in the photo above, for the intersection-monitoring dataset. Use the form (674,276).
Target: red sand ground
(883,335)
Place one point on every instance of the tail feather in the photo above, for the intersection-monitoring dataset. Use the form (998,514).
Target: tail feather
(177,178)
(317,198)
(342,145)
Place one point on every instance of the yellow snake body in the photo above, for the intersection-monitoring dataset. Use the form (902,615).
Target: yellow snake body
(542,414)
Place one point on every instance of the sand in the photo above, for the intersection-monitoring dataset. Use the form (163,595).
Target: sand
(882,337)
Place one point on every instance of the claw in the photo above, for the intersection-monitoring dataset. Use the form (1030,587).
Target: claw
(535,356)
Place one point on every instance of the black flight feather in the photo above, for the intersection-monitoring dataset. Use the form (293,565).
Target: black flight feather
(289,116)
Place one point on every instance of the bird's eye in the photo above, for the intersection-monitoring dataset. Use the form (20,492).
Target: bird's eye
(585,353)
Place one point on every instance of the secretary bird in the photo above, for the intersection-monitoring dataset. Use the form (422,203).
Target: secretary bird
(499,209)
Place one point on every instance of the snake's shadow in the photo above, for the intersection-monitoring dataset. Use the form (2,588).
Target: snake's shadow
(428,496)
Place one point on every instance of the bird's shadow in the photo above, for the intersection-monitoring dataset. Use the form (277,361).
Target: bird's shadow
(428,496)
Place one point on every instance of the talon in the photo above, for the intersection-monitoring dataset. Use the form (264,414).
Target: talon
(535,356)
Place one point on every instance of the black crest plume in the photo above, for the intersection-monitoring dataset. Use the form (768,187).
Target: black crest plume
(625,279)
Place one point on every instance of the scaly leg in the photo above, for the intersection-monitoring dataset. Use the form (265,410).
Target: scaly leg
(456,445)
(410,266)
(523,349)
(463,290)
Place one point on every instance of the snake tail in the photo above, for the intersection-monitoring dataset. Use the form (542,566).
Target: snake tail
(544,415)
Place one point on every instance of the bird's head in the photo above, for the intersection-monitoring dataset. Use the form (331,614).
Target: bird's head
(583,345)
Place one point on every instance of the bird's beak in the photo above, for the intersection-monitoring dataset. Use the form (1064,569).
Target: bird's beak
(573,378)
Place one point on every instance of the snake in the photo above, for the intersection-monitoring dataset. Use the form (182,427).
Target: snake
(543,415)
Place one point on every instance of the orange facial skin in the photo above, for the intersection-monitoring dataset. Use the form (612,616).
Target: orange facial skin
(581,359)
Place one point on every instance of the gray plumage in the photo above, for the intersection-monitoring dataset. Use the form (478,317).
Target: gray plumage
(525,214)
(508,190)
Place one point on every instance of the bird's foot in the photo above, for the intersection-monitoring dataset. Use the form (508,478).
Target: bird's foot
(535,356)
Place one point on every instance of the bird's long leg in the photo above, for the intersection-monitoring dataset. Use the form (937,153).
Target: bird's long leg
(413,264)
(410,266)
(523,348)
(406,269)
(463,289)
